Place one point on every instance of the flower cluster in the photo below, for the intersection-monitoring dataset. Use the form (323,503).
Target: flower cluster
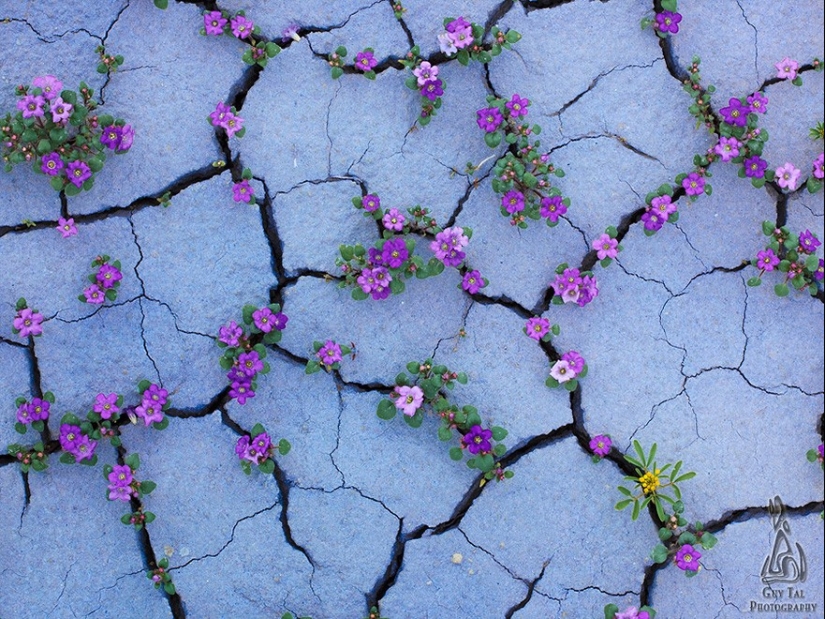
(791,254)
(59,133)
(611,611)
(108,63)
(382,269)
(160,576)
(154,400)
(76,445)
(365,62)
(328,355)
(427,389)
(242,191)
(522,175)
(666,21)
(567,371)
(226,118)
(34,457)
(574,286)
(27,322)
(35,412)
(216,23)
(659,210)
(123,485)
(104,282)
(245,352)
(258,449)
(681,541)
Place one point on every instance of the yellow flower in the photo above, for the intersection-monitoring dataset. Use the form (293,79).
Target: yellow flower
(650,481)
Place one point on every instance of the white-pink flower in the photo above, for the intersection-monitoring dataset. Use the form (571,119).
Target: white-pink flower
(562,372)
(425,72)
(409,399)
(787,176)
(786,68)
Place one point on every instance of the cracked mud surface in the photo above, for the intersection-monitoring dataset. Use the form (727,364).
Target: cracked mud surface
(362,512)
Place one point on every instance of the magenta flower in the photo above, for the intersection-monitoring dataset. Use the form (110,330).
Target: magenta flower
(687,558)
(214,22)
(394,220)
(84,448)
(230,334)
(552,207)
(667,21)
(395,253)
(409,399)
(365,61)
(106,405)
(107,276)
(663,205)
(382,281)
(694,184)
(536,328)
(758,103)
(49,85)
(31,106)
(61,110)
(149,412)
(250,363)
(69,437)
(367,280)
(242,192)
(111,137)
(66,227)
(767,260)
(425,72)
(460,33)
(606,247)
(120,493)
(600,445)
(291,32)
(121,476)
(262,445)
(787,176)
(371,203)
(489,119)
(38,409)
(127,138)
(232,124)
(241,26)
(808,243)
(241,391)
(755,167)
(51,164)
(472,282)
(28,322)
(574,361)
(78,172)
(329,353)
(246,449)
(477,440)
(632,613)
(819,274)
(588,290)
(817,171)
(279,321)
(652,220)
(94,295)
(727,148)
(517,106)
(513,201)
(735,114)
(432,89)
(24,413)
(561,371)
(155,395)
(786,69)
(219,115)
(447,246)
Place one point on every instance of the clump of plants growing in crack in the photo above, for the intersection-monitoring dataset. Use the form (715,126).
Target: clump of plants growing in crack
(238,25)
(792,255)
(569,368)
(258,449)
(105,281)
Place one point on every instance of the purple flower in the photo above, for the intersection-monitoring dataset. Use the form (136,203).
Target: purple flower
(571,278)
(230,334)
(600,445)
(219,115)
(561,372)
(819,274)
(694,184)
(818,167)
(241,447)
(409,399)
(241,391)
(27,322)
(489,119)
(767,260)
(250,363)
(552,207)
(31,106)
(61,110)
(606,247)
(395,253)
(367,280)
(632,613)
(69,437)
(787,176)
(49,85)
(371,203)
(667,21)
(149,412)
(663,205)
(214,22)
(808,243)
(374,257)
(447,246)
(365,61)
(84,448)
(241,26)
(279,321)
(51,164)
(477,440)
(263,319)
(78,172)
(727,148)
(758,103)
(127,138)
(121,476)
(472,282)
(106,405)
(329,353)
(291,32)
(460,32)
(517,106)
(513,201)
(687,558)
(94,295)
(380,292)
(262,445)
(425,72)
(537,328)
(457,25)
(432,89)
(107,276)
(588,290)
(755,167)
(24,413)
(120,493)
(574,360)
(394,220)
(653,220)
(156,395)
(111,137)
(39,409)
(786,69)
(735,114)
(232,124)
(66,227)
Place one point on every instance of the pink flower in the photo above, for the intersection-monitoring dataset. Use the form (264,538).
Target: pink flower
(66,227)
(94,295)
(27,322)
(786,69)
(425,72)
(606,247)
(409,399)
(787,176)
(727,148)
(561,372)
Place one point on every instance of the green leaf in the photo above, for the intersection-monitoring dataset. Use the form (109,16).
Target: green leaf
(162,424)
(162,4)
(685,477)
(312,367)
(72,190)
(551,382)
(753,282)
(147,486)
(125,518)
(708,541)
(571,385)
(397,286)
(456,453)
(781,290)
(665,534)
(359,295)
(272,49)
(659,554)
(624,491)
(169,587)
(623,504)
(462,378)
(493,139)
(610,610)
(21,428)
(413,367)
(512,36)
(267,467)
(485,463)
(636,509)
(133,461)
(386,410)
(499,433)
(414,421)
(38,426)
(150,517)
(463,57)
(444,433)
(284,447)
